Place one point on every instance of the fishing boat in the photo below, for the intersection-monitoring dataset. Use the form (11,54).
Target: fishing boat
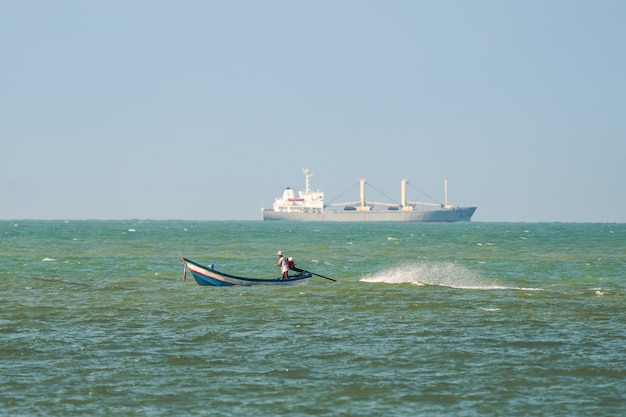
(309,206)
(208,276)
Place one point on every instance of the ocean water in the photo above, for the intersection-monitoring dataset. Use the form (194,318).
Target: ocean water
(461,319)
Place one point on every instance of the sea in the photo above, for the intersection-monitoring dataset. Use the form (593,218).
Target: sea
(440,319)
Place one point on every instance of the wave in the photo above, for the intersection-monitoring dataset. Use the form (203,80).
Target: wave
(444,274)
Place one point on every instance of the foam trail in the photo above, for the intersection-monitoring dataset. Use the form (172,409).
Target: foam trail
(446,274)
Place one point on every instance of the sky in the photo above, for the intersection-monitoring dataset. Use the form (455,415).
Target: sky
(207,110)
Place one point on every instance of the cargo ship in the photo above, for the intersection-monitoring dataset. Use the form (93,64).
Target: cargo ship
(309,205)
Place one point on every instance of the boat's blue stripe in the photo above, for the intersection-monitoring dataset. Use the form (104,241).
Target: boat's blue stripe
(206,280)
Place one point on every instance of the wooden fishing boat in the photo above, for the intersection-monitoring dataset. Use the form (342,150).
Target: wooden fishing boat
(207,275)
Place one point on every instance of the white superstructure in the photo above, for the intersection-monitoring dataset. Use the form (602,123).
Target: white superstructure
(307,201)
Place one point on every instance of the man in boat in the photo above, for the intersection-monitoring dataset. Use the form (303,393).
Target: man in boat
(292,266)
(282,264)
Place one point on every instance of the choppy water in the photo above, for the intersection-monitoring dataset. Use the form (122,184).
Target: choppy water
(464,319)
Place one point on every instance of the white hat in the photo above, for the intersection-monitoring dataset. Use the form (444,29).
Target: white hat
(280,252)
(290,259)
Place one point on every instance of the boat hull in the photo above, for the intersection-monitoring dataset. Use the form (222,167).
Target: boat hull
(207,276)
(454,214)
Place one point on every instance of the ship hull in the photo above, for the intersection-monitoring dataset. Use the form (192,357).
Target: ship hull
(455,214)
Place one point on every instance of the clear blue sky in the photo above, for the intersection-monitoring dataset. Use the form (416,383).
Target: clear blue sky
(208,109)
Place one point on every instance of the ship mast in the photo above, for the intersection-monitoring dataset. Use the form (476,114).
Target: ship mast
(405,206)
(362,206)
(307,178)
